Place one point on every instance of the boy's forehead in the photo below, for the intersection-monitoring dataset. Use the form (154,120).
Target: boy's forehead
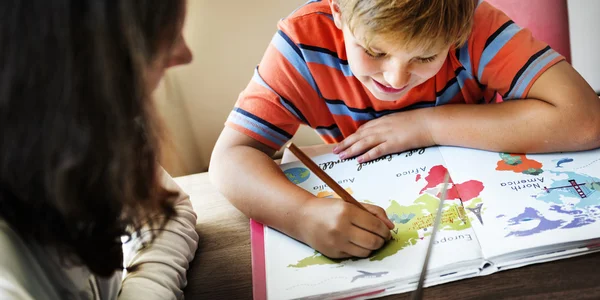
(391,41)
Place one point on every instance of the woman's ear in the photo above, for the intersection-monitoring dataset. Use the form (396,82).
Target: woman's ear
(337,15)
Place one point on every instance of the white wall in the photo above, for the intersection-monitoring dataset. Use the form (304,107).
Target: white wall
(584,26)
(227,39)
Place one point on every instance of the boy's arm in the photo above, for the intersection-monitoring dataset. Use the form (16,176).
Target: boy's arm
(547,106)
(561,113)
(243,170)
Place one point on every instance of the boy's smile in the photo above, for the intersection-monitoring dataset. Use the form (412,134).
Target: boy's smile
(388,89)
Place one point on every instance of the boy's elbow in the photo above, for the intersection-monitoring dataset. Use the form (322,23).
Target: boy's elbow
(588,132)
(212,174)
(217,165)
(215,169)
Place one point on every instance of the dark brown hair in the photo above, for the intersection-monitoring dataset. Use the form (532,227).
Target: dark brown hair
(78,136)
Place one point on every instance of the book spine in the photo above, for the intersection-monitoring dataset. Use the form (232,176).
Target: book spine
(257,241)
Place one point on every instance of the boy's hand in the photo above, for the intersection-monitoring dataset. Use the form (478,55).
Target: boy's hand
(339,229)
(389,134)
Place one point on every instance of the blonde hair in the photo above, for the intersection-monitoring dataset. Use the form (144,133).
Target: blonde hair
(413,23)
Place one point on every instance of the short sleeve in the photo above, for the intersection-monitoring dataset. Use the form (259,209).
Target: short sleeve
(504,57)
(276,101)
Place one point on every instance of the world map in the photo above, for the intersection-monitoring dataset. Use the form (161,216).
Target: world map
(570,194)
(412,222)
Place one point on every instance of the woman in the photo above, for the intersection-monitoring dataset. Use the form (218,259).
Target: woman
(78,148)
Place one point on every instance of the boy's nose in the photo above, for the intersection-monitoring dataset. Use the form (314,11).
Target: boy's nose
(397,78)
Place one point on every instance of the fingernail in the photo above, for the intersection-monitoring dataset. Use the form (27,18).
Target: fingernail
(336,149)
(360,160)
(343,155)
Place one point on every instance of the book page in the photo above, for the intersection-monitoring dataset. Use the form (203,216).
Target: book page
(407,186)
(529,201)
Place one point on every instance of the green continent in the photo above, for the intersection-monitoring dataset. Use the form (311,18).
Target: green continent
(533,171)
(315,260)
(304,174)
(511,160)
(419,215)
(424,209)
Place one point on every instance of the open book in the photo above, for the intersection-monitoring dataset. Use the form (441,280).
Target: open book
(502,211)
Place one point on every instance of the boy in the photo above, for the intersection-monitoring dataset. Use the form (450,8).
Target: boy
(378,77)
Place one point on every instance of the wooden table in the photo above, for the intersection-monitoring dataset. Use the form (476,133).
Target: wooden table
(222,268)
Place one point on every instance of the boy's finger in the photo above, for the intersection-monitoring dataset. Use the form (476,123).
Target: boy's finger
(356,251)
(375,153)
(365,239)
(369,222)
(361,146)
(390,225)
(380,213)
(343,145)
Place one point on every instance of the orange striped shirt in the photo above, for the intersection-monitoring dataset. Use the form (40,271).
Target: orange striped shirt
(304,77)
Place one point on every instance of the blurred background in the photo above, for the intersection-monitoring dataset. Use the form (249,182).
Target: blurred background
(228,39)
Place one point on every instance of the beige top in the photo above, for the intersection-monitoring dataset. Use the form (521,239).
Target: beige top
(31,272)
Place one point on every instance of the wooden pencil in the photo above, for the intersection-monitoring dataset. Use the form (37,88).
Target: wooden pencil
(311,165)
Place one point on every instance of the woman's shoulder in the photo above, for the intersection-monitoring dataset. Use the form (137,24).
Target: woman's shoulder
(28,271)
(14,265)
(12,247)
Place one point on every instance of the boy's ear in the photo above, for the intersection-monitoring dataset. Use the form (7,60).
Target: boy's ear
(337,15)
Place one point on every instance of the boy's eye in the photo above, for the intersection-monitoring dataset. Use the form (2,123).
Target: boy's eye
(373,54)
(426,59)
